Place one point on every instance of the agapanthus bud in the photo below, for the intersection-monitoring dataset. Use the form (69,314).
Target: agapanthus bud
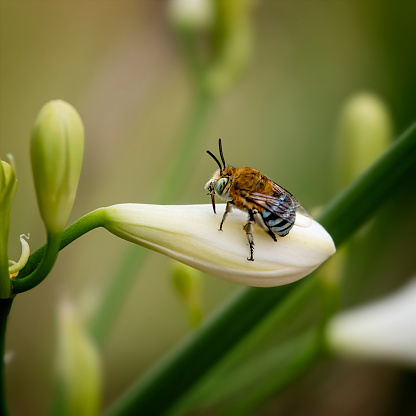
(187,283)
(57,149)
(365,132)
(383,330)
(232,44)
(78,366)
(8,185)
(189,234)
(217,37)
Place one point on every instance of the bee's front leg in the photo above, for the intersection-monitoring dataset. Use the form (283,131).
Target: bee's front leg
(248,228)
(227,210)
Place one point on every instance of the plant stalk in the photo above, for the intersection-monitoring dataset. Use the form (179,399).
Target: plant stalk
(42,260)
(5,305)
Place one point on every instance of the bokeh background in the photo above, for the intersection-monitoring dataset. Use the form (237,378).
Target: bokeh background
(120,65)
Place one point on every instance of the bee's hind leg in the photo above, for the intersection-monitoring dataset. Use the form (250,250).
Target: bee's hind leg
(248,228)
(260,221)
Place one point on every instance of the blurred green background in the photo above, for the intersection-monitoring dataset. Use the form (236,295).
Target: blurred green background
(119,64)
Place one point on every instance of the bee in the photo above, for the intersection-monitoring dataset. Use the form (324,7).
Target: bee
(268,205)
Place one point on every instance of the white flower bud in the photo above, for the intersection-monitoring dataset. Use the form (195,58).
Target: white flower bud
(385,329)
(191,14)
(189,234)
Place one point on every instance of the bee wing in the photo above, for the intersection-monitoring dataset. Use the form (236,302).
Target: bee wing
(279,190)
(271,203)
(280,206)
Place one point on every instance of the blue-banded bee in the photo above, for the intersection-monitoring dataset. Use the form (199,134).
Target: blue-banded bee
(269,205)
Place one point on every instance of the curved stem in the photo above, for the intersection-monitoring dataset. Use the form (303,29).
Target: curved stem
(44,267)
(41,261)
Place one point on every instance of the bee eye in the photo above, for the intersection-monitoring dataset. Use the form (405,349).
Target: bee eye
(220,185)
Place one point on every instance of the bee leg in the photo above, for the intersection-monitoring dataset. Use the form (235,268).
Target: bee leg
(271,234)
(260,221)
(228,208)
(248,228)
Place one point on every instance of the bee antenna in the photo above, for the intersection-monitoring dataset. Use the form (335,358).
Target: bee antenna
(221,154)
(215,158)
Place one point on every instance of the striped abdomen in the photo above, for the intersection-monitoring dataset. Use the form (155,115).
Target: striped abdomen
(282,218)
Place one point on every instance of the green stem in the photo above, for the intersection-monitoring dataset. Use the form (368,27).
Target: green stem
(5,288)
(44,267)
(186,364)
(177,171)
(117,290)
(165,383)
(353,206)
(214,388)
(5,305)
(40,263)
(298,354)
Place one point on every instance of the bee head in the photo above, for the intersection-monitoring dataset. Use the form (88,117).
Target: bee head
(209,186)
(218,181)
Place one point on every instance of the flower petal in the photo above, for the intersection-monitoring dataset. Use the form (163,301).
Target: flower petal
(189,233)
(385,329)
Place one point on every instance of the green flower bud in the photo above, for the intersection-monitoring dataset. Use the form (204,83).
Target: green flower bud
(232,44)
(187,282)
(365,132)
(8,184)
(57,149)
(217,39)
(78,367)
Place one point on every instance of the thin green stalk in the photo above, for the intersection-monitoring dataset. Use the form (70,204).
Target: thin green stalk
(182,159)
(42,260)
(164,384)
(5,305)
(44,267)
(175,176)
(4,261)
(117,290)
